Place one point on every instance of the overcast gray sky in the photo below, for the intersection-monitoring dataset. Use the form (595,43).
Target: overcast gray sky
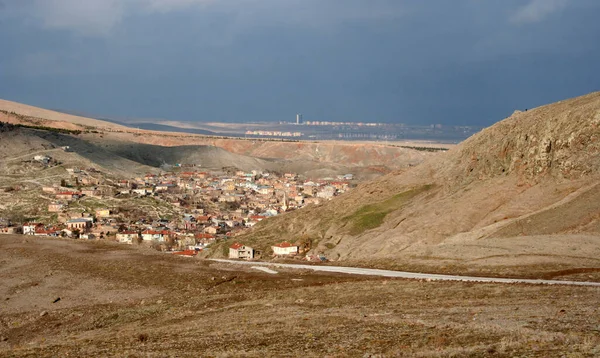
(412,61)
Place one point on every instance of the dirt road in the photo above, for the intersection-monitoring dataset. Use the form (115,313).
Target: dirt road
(412,275)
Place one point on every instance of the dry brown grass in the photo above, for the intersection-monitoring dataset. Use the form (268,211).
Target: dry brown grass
(122,301)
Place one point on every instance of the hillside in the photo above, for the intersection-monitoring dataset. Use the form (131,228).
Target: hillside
(524,191)
(368,160)
(50,118)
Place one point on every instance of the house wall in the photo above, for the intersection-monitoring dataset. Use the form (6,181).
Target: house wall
(243,252)
(10,230)
(54,208)
(28,230)
(79,225)
(125,239)
(285,250)
(102,213)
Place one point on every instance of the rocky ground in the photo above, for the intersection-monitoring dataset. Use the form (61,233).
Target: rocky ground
(66,298)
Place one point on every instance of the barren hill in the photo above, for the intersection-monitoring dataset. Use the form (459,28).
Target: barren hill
(524,191)
(51,118)
(22,144)
(368,159)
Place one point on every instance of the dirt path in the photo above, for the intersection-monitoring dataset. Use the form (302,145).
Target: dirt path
(44,151)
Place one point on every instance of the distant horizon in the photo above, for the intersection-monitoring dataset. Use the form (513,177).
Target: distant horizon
(290,122)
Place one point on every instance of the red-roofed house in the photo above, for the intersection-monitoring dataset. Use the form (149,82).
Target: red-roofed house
(187,174)
(204,237)
(40,231)
(29,228)
(240,251)
(285,249)
(202,219)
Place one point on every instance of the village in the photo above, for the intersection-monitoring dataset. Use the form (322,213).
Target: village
(181,211)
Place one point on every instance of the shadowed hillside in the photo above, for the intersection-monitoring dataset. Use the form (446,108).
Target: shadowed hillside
(129,159)
(368,160)
(525,186)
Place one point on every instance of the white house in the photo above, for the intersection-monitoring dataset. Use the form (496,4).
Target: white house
(154,235)
(284,249)
(142,191)
(29,228)
(240,251)
(42,159)
(127,237)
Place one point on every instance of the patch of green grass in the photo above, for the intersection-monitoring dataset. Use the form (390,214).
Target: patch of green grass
(371,216)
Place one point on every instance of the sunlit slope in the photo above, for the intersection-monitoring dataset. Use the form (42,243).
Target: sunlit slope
(531,174)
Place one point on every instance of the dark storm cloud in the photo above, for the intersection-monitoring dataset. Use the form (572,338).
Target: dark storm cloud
(459,62)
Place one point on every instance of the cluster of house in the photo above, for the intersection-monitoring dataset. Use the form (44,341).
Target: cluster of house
(88,227)
(210,206)
(275,133)
(281,250)
(77,226)
(253,191)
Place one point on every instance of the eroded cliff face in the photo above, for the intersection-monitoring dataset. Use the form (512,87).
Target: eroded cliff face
(560,140)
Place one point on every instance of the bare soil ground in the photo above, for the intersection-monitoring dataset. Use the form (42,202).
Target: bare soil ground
(118,300)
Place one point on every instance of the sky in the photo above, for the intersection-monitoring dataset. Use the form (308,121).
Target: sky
(459,62)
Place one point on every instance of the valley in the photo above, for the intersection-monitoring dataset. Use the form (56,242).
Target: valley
(109,235)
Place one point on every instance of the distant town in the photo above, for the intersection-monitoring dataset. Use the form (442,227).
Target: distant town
(330,130)
(324,130)
(203,206)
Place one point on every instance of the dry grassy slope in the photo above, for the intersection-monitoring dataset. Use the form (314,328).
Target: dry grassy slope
(546,158)
(51,118)
(331,152)
(354,154)
(130,159)
(23,144)
(350,154)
